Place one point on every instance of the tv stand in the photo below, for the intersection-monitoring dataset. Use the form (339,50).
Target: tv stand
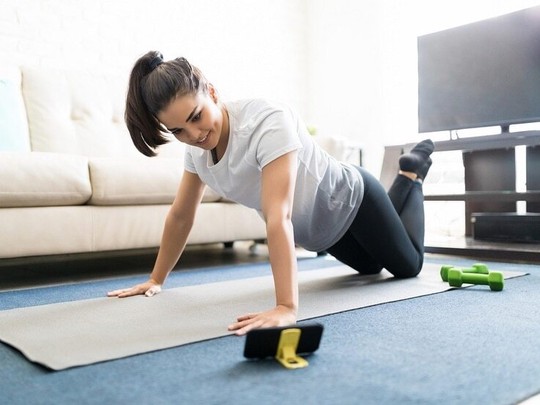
(490,187)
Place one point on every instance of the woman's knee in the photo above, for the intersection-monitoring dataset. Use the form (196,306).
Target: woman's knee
(407,270)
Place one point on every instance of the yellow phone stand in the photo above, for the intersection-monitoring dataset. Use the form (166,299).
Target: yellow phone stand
(286,351)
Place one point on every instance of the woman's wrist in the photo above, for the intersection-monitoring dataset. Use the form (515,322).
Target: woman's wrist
(289,308)
(157,279)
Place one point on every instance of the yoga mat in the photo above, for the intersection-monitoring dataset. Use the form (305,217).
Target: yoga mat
(77,333)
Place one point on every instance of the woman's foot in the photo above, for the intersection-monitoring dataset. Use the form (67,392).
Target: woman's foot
(418,160)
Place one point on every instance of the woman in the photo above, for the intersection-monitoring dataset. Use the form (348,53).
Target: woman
(260,154)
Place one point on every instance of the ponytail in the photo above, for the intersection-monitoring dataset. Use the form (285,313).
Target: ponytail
(153,85)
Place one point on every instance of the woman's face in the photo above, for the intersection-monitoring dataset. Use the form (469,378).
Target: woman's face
(196,120)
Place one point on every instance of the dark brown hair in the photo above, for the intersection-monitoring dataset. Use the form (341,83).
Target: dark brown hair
(153,84)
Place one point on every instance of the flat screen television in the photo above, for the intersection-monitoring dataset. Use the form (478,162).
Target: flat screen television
(482,74)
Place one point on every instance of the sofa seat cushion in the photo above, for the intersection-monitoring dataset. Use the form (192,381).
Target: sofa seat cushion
(137,181)
(36,179)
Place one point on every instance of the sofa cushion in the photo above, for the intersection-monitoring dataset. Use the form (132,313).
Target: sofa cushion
(76,112)
(13,123)
(137,181)
(43,179)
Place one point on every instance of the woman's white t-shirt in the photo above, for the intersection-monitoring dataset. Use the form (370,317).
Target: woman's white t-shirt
(328,193)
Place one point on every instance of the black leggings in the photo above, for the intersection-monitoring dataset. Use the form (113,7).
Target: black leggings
(388,230)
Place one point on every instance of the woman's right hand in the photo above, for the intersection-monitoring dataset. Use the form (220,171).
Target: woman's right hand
(148,288)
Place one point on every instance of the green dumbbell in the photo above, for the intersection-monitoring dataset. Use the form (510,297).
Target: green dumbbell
(495,279)
(476,268)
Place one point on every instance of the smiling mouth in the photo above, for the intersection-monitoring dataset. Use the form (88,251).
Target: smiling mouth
(202,140)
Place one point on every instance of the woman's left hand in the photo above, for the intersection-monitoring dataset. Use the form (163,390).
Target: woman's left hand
(279,316)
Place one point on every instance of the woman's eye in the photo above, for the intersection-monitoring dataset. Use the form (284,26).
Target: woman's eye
(196,117)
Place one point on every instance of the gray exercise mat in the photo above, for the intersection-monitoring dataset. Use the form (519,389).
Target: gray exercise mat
(78,333)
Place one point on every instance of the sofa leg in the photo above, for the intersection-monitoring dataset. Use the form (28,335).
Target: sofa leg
(228,245)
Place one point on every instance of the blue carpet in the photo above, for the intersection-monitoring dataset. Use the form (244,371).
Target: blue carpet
(179,278)
(466,346)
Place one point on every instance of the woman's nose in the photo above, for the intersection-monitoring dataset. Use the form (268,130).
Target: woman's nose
(193,134)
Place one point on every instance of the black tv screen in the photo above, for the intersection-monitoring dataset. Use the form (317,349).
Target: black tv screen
(482,74)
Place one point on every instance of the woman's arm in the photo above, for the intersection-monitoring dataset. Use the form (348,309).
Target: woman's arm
(278,183)
(178,225)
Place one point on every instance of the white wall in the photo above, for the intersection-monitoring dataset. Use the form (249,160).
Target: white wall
(363,64)
(246,48)
(349,66)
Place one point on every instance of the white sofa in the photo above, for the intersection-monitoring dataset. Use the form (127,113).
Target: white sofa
(71,182)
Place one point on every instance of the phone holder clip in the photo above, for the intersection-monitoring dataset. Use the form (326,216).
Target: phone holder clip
(286,351)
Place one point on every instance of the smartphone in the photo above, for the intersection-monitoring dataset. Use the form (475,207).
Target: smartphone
(261,343)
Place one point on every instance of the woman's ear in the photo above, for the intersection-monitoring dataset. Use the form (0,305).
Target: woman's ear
(213,93)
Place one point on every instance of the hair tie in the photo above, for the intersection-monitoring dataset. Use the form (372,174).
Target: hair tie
(156,61)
